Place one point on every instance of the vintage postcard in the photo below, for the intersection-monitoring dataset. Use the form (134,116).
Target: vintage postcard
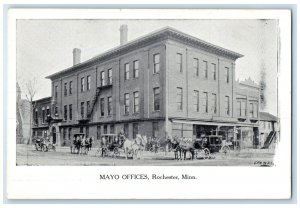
(149,99)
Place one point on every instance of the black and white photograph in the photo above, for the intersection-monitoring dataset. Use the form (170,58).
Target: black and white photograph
(147,92)
(105,97)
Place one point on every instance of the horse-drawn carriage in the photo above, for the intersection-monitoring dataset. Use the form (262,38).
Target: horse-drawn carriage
(110,144)
(43,144)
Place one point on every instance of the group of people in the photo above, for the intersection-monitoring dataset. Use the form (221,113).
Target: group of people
(82,143)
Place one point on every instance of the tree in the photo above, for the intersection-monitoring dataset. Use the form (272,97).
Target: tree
(30,93)
(263,101)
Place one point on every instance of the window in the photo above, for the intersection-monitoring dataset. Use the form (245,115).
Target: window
(205,102)
(241,108)
(179,62)
(254,110)
(214,103)
(36,117)
(101,106)
(56,91)
(156,98)
(82,84)
(82,109)
(70,133)
(112,129)
(65,113)
(126,103)
(70,112)
(205,69)
(56,111)
(88,106)
(135,129)
(48,111)
(226,74)
(102,79)
(251,109)
(87,131)
(179,98)
(155,129)
(65,89)
(126,71)
(214,71)
(105,129)
(81,130)
(227,105)
(126,130)
(136,102)
(98,132)
(43,115)
(109,72)
(136,69)
(196,66)
(109,106)
(70,87)
(88,83)
(196,100)
(156,66)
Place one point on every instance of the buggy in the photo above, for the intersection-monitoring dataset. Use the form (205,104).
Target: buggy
(110,144)
(43,144)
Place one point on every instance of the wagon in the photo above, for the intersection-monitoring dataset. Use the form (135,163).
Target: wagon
(43,144)
(217,143)
(111,144)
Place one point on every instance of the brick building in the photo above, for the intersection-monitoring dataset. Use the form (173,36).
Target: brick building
(163,84)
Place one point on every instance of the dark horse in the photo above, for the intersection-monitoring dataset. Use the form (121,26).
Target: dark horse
(182,145)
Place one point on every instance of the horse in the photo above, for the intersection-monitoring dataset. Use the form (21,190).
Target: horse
(176,148)
(131,146)
(184,145)
(75,145)
(141,141)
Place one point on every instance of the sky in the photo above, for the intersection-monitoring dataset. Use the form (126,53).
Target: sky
(45,47)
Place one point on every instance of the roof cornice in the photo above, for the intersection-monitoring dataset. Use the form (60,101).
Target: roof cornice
(160,35)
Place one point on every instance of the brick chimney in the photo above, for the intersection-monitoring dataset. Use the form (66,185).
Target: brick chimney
(76,56)
(123,34)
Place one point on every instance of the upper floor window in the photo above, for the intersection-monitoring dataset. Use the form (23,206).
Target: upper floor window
(136,102)
(156,61)
(179,98)
(226,74)
(88,106)
(82,84)
(109,106)
(65,113)
(70,112)
(101,106)
(205,102)
(126,103)
(241,105)
(55,91)
(88,83)
(82,109)
(65,89)
(109,72)
(196,100)
(251,110)
(43,115)
(205,69)
(102,78)
(227,105)
(70,87)
(156,98)
(179,62)
(136,69)
(214,71)
(36,116)
(214,103)
(126,71)
(196,66)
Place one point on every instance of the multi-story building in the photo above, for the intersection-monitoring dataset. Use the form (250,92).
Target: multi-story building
(167,83)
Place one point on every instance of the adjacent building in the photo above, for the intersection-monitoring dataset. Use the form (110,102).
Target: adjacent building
(164,84)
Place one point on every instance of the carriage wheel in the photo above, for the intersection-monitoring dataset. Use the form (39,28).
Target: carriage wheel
(116,152)
(206,153)
(44,148)
(225,150)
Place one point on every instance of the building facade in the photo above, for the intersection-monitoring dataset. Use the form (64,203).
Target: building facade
(164,84)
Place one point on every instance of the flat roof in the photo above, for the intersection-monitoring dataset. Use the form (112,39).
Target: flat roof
(166,33)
